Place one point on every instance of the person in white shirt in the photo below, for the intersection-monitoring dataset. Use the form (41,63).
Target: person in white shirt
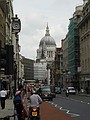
(3,94)
(67,92)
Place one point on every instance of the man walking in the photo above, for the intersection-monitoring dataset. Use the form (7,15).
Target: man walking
(3,94)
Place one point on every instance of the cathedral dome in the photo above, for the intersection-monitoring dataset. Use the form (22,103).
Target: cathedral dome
(47,39)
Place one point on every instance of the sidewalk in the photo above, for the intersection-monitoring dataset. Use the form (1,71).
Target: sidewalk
(47,112)
(84,94)
(9,108)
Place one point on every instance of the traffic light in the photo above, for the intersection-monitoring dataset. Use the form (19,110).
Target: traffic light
(9,60)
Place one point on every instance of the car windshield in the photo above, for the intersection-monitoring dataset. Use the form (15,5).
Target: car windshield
(46,90)
(57,88)
(71,89)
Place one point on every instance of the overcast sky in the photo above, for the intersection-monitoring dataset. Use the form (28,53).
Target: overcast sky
(34,15)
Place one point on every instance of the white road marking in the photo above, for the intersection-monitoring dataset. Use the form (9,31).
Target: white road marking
(60,108)
(66,110)
(73,114)
(56,105)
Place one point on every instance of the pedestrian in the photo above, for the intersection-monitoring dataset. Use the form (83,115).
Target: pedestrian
(67,92)
(18,102)
(3,95)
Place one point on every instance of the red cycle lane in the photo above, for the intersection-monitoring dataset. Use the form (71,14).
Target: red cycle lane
(49,112)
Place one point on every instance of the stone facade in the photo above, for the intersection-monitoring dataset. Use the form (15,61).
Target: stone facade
(84,33)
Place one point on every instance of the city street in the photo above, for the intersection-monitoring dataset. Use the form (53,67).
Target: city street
(77,106)
(45,50)
(74,107)
(48,111)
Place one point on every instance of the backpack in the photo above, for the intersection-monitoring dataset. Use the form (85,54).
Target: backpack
(17,100)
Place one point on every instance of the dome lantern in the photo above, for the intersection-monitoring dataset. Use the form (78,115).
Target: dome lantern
(47,31)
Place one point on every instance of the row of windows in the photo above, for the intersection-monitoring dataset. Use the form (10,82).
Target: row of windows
(49,53)
(85,46)
(85,11)
(85,65)
(85,38)
(85,27)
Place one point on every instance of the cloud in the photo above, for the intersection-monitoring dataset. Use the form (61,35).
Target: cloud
(35,14)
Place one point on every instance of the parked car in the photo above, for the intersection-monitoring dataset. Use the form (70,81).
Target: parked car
(45,93)
(71,90)
(57,90)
